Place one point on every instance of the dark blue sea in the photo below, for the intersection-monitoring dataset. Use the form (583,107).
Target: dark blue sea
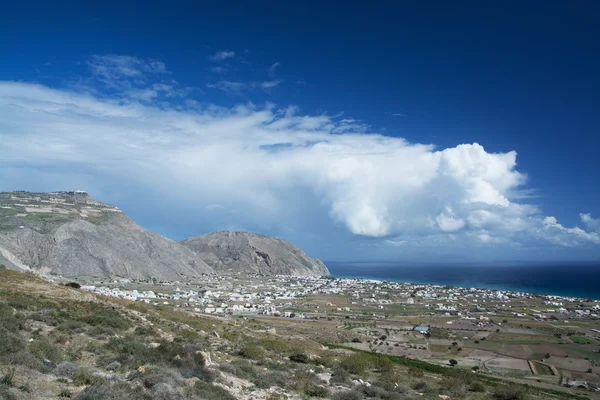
(574,279)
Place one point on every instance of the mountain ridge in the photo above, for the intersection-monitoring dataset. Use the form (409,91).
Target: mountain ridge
(253,253)
(70,234)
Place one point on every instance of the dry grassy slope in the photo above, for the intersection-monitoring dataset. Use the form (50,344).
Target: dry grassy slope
(95,347)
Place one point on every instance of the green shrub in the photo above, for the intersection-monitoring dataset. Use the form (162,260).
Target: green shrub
(421,386)
(106,318)
(66,368)
(244,369)
(208,391)
(45,350)
(10,342)
(7,379)
(302,381)
(25,359)
(317,391)
(144,331)
(340,376)
(5,393)
(355,364)
(383,364)
(65,394)
(509,393)
(84,377)
(299,358)
(265,381)
(122,390)
(415,372)
(71,326)
(375,391)
(9,320)
(348,395)
(252,352)
(476,386)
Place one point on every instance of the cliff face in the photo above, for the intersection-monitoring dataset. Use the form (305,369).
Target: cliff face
(70,234)
(253,253)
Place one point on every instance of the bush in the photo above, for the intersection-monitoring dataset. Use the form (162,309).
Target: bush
(265,381)
(415,372)
(476,387)
(375,391)
(383,364)
(9,320)
(106,318)
(348,395)
(317,391)
(299,358)
(228,368)
(66,368)
(356,340)
(84,377)
(25,359)
(144,331)
(158,375)
(121,390)
(252,352)
(207,391)
(339,375)
(113,366)
(73,285)
(65,394)
(302,381)
(10,342)
(45,350)
(508,393)
(421,385)
(5,393)
(8,378)
(244,369)
(355,364)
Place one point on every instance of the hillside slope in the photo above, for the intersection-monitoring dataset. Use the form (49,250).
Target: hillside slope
(253,253)
(70,234)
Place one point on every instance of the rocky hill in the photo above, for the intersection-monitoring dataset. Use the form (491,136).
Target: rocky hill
(253,253)
(70,234)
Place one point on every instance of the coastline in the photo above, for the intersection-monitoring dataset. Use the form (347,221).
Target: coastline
(503,281)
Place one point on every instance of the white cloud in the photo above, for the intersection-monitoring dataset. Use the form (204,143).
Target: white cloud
(591,223)
(447,222)
(231,87)
(222,55)
(240,88)
(568,236)
(395,243)
(272,69)
(112,68)
(265,163)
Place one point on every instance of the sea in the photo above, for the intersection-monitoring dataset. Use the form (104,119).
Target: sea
(580,280)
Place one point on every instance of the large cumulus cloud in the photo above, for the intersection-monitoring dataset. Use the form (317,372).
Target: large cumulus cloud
(250,159)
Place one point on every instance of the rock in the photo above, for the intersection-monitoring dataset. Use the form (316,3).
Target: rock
(253,253)
(217,334)
(153,345)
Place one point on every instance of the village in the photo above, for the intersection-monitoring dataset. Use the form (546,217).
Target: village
(551,339)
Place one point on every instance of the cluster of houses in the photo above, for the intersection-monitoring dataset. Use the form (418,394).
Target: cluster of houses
(275,296)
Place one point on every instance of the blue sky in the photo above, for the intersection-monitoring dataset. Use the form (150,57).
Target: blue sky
(434,131)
